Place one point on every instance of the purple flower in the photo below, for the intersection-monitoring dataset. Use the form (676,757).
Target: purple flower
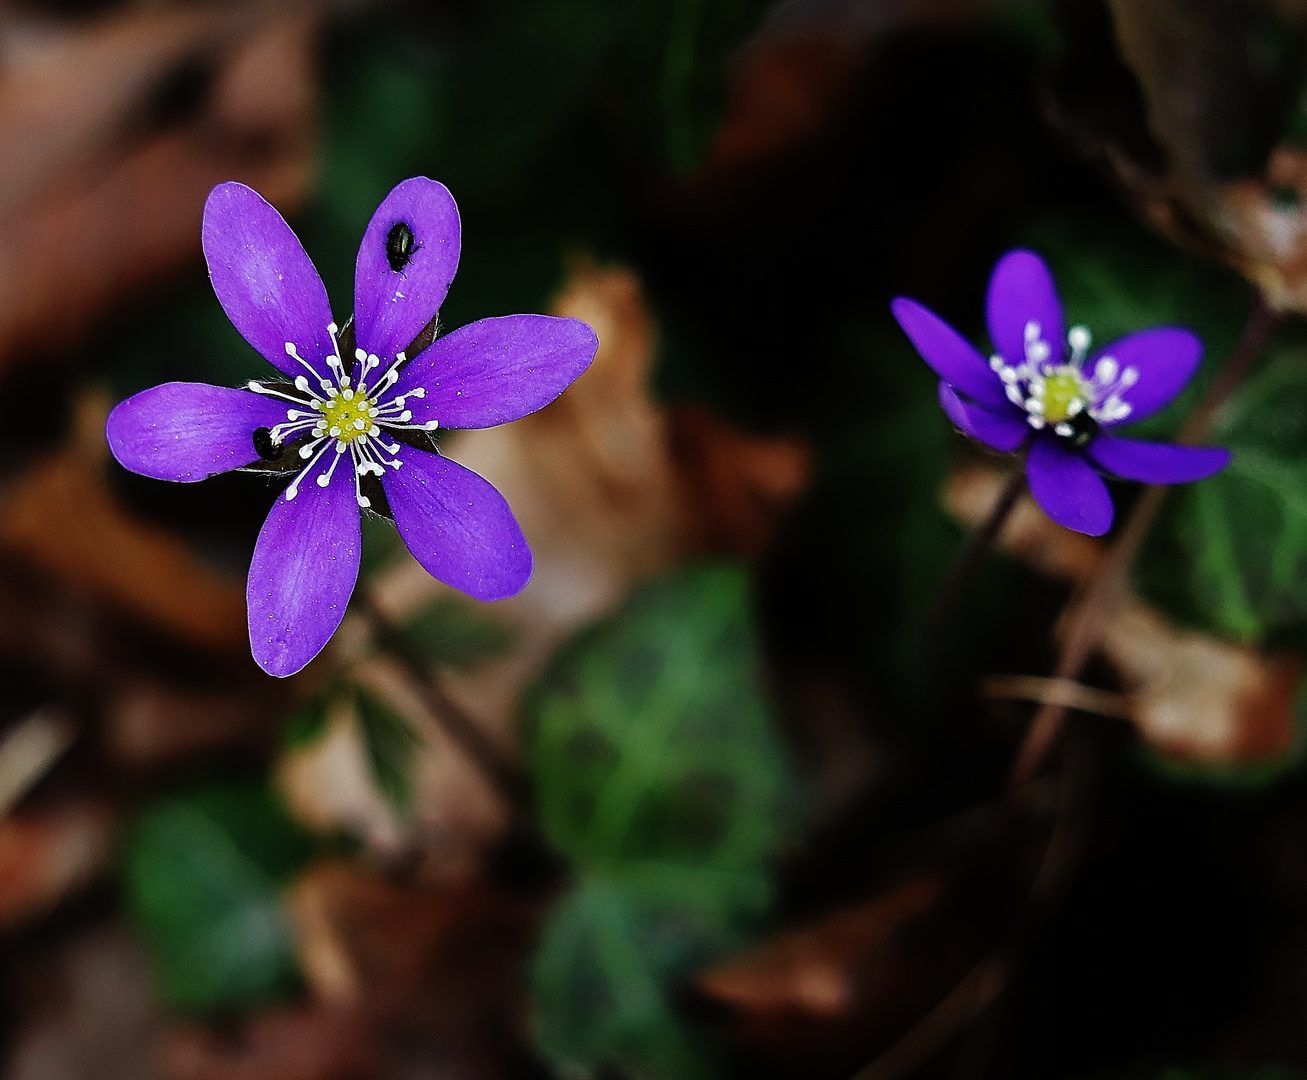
(1061,400)
(351,415)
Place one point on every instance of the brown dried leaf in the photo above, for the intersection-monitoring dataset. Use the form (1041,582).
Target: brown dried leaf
(60,517)
(1200,699)
(739,487)
(46,854)
(287,1044)
(818,970)
(87,1010)
(147,723)
(390,948)
(105,170)
(830,995)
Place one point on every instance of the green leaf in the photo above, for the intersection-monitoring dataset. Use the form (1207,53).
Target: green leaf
(599,981)
(306,725)
(651,740)
(205,873)
(392,743)
(456,632)
(1244,531)
(657,771)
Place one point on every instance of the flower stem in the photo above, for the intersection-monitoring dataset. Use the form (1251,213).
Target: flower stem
(503,774)
(969,561)
(1094,608)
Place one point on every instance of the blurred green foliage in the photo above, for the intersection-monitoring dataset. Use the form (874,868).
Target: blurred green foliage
(658,774)
(205,873)
(456,632)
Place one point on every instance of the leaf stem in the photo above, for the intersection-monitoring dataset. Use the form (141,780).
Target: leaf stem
(1093,609)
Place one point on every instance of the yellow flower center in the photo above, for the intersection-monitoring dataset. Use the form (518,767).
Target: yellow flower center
(1065,395)
(347,416)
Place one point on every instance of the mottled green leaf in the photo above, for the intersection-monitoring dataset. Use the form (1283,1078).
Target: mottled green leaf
(657,771)
(1245,530)
(599,982)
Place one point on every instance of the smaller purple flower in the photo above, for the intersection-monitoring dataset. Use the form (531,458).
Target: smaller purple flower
(350,417)
(1056,397)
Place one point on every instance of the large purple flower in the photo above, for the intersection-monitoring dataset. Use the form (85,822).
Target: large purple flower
(1055,396)
(351,417)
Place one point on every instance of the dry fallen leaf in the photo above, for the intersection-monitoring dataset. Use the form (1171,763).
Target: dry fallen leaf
(304,1043)
(818,970)
(828,996)
(392,948)
(738,486)
(1200,699)
(46,854)
(146,722)
(113,131)
(61,518)
(85,1010)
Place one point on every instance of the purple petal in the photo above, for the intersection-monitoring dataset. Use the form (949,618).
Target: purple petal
(1021,291)
(950,355)
(1003,431)
(392,306)
(189,431)
(1067,489)
(498,370)
(264,280)
(458,526)
(1165,358)
(1156,463)
(304,568)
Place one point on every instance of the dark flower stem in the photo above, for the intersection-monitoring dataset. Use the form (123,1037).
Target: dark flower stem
(1094,608)
(942,608)
(499,770)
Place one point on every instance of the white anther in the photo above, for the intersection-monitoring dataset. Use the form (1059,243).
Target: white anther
(1075,406)
(1079,338)
(1129,377)
(1032,331)
(1014,394)
(1105,370)
(1036,422)
(1064,429)
(360,354)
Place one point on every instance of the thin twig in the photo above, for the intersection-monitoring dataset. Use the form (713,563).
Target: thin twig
(1063,692)
(1092,611)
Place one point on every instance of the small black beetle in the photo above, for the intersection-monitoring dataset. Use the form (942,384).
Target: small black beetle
(399,246)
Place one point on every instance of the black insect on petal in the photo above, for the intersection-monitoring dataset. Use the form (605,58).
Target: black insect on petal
(264,446)
(399,246)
